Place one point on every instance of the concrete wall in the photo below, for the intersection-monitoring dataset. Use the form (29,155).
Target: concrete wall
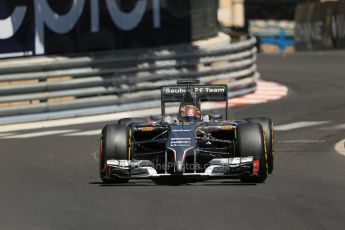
(231,12)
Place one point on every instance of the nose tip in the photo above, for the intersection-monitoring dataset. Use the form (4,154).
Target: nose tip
(179,167)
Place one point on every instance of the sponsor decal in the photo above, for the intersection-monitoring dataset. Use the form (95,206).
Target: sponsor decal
(181,130)
(180,142)
(231,161)
(174,90)
(201,90)
(119,163)
(181,139)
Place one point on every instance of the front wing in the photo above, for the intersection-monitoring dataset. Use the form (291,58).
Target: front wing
(217,168)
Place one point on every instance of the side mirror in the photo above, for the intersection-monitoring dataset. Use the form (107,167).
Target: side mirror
(156,118)
(215,117)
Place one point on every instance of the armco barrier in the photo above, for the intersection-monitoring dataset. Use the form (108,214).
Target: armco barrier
(120,80)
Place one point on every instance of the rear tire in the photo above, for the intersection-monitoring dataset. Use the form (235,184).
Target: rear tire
(129,121)
(115,144)
(267,126)
(250,142)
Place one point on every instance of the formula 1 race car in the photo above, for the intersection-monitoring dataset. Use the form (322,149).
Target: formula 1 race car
(190,146)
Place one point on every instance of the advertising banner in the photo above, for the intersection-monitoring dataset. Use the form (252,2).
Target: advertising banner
(41,27)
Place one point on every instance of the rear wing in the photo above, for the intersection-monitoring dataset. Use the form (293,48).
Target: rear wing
(203,93)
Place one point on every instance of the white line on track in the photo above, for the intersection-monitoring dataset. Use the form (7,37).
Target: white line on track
(39,134)
(86,133)
(340,147)
(342,126)
(301,141)
(298,125)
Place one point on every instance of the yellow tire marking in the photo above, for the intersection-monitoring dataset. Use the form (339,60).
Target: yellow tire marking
(130,144)
(272,128)
(265,147)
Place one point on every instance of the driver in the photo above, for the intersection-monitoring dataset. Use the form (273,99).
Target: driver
(190,113)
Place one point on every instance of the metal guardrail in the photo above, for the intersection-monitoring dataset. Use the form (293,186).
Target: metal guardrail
(119,81)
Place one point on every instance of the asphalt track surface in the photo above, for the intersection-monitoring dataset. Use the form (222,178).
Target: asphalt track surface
(52,182)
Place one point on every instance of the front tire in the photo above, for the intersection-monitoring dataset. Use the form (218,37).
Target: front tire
(115,145)
(267,126)
(250,142)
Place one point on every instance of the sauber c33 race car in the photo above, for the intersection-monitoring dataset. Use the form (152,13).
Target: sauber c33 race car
(190,146)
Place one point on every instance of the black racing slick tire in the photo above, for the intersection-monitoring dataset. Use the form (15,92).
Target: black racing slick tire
(250,142)
(129,121)
(267,126)
(115,145)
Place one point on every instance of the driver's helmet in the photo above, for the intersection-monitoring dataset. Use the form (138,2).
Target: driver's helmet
(190,113)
